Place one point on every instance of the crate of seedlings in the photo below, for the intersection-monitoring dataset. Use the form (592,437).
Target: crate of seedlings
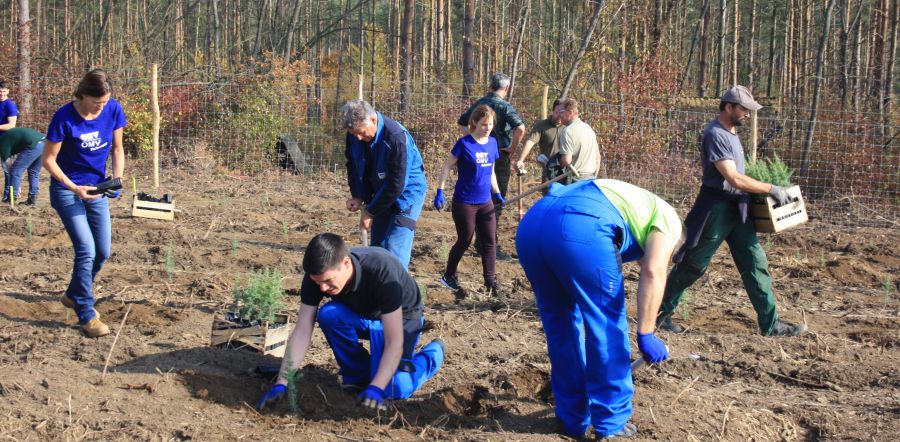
(146,206)
(256,319)
(768,216)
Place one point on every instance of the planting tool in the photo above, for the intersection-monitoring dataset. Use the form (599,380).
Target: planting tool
(571,171)
(12,198)
(640,362)
(364,237)
(521,172)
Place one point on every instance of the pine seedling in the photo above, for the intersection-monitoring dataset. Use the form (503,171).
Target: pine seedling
(293,376)
(444,250)
(683,307)
(887,286)
(29,229)
(822,260)
(170,262)
(266,200)
(262,296)
(234,245)
(284,229)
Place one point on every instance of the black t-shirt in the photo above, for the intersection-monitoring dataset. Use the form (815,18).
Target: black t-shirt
(380,285)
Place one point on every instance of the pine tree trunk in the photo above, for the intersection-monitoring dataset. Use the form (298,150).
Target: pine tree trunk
(585,43)
(771,73)
(23,58)
(734,44)
(704,38)
(820,71)
(751,49)
(468,53)
(409,12)
(720,58)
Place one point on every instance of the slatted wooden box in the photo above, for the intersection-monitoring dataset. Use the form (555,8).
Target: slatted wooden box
(771,219)
(154,210)
(268,338)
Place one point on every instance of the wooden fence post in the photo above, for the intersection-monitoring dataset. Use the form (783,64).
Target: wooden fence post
(154,104)
(361,86)
(754,133)
(544,102)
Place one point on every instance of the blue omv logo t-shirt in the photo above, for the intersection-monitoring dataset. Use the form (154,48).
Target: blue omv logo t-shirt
(475,163)
(85,143)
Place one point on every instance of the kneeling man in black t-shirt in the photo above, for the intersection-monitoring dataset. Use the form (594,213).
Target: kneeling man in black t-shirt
(374,298)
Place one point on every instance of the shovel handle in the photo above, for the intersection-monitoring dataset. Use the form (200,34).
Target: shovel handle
(364,237)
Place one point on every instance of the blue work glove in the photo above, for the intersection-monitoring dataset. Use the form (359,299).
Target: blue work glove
(499,198)
(439,200)
(113,193)
(372,397)
(272,396)
(653,348)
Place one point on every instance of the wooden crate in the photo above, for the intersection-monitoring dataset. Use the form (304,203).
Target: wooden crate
(150,209)
(266,338)
(771,219)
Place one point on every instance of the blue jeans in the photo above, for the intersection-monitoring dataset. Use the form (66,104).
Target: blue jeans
(578,285)
(30,160)
(89,228)
(343,329)
(395,231)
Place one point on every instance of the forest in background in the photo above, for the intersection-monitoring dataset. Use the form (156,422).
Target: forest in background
(647,72)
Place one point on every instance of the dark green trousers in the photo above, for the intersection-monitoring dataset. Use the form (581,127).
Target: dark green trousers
(724,224)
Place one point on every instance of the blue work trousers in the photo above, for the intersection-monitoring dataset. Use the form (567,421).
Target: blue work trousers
(89,228)
(26,160)
(567,245)
(395,231)
(343,329)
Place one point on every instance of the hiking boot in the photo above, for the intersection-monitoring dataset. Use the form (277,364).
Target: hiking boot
(664,322)
(450,282)
(627,431)
(493,289)
(503,256)
(783,328)
(32,200)
(95,329)
(440,343)
(69,303)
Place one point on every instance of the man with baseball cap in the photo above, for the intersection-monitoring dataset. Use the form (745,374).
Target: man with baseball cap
(720,214)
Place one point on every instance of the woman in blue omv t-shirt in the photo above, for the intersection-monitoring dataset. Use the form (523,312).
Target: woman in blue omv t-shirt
(474,156)
(79,140)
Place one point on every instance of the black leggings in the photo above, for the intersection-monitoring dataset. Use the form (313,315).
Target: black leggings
(468,218)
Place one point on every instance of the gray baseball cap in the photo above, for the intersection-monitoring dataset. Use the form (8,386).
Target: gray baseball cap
(741,95)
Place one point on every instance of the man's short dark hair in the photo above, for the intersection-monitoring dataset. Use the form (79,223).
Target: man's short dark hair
(324,252)
(3,84)
(722,105)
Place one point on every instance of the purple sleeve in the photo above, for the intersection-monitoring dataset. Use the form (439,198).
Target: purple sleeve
(57,130)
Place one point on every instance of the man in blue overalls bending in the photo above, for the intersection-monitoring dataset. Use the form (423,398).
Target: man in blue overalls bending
(385,172)
(372,297)
(577,279)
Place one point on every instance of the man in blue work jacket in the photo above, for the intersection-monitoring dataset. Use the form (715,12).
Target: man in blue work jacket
(385,173)
(369,296)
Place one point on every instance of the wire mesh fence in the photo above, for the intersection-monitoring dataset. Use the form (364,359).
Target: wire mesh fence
(255,125)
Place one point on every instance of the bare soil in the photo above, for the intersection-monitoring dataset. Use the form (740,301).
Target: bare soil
(724,381)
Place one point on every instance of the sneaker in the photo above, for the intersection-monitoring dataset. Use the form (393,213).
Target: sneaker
(5,199)
(627,431)
(69,303)
(95,329)
(783,328)
(32,200)
(450,282)
(664,322)
(503,256)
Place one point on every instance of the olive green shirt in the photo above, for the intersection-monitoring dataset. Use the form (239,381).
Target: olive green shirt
(545,135)
(18,139)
